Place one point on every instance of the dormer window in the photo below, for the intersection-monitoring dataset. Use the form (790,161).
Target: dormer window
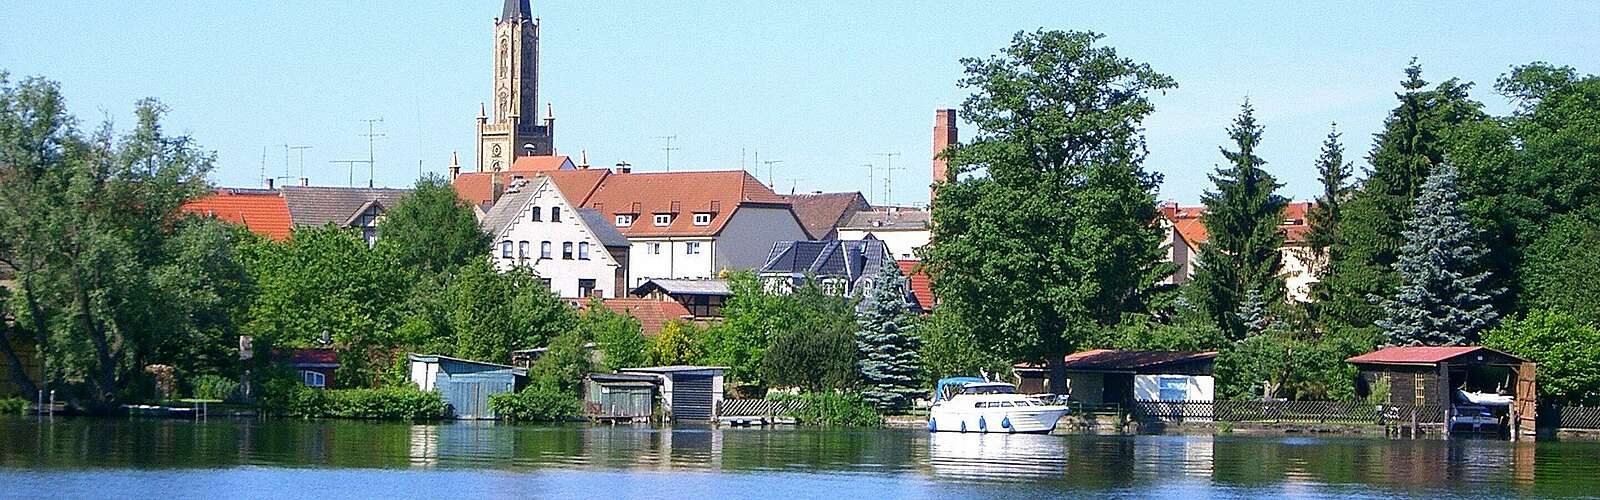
(624,220)
(663,220)
(702,219)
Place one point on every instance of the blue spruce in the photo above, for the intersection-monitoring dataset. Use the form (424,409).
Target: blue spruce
(890,360)
(1442,299)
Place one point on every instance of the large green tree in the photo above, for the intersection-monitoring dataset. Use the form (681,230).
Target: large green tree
(1444,297)
(1565,348)
(1052,240)
(491,313)
(432,229)
(1242,218)
(814,347)
(891,362)
(1322,235)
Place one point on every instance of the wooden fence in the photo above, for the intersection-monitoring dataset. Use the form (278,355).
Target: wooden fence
(1571,417)
(1286,412)
(758,408)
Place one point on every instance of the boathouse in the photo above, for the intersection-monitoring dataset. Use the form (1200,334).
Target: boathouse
(1105,376)
(465,384)
(688,393)
(313,366)
(1444,378)
(614,397)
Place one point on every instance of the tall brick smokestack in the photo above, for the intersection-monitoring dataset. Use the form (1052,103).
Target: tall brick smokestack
(944,135)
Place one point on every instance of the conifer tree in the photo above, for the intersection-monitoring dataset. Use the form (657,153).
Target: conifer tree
(1442,299)
(890,363)
(1334,172)
(1242,218)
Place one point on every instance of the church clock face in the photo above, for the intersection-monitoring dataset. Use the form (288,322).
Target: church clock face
(496,153)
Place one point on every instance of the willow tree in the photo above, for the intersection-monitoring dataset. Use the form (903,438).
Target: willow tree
(1048,237)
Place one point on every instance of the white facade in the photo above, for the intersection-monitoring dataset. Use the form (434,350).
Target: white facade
(902,242)
(550,235)
(670,257)
(1299,271)
(743,243)
(1167,388)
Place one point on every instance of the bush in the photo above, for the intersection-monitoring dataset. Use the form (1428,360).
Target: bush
(284,397)
(537,403)
(1565,348)
(215,387)
(13,406)
(832,410)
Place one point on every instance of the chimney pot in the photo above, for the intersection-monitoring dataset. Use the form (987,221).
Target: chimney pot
(305,181)
(269,183)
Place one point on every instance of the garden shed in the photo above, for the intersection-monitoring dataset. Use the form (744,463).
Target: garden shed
(1105,376)
(620,396)
(1443,377)
(465,384)
(688,393)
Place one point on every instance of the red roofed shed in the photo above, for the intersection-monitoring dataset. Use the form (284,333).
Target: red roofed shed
(1441,380)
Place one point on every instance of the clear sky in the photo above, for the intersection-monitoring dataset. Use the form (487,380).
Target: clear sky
(824,87)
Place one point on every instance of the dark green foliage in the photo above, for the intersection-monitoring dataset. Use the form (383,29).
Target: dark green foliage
(816,349)
(14,406)
(618,336)
(1444,299)
(215,387)
(1567,351)
(751,318)
(1561,265)
(1052,240)
(536,403)
(1242,218)
(951,349)
(432,230)
(1282,364)
(1142,332)
(563,366)
(833,409)
(890,359)
(286,397)
(490,313)
(1322,235)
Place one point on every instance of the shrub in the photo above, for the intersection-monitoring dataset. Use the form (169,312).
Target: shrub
(1565,348)
(832,410)
(13,406)
(285,397)
(215,387)
(536,403)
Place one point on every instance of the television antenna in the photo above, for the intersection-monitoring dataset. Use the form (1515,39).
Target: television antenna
(770,168)
(371,136)
(794,183)
(870,181)
(299,149)
(888,184)
(669,149)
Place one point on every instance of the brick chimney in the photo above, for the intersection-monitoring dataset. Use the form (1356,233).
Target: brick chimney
(944,135)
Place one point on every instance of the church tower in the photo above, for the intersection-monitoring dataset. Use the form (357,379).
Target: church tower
(513,130)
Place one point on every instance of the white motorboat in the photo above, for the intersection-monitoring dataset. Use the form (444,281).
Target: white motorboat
(970,404)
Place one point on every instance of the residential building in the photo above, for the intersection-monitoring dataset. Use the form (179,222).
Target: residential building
(846,268)
(273,212)
(1186,232)
(702,298)
(921,284)
(903,230)
(821,213)
(575,250)
(482,189)
(690,225)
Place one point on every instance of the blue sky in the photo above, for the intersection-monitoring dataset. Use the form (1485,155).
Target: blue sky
(824,87)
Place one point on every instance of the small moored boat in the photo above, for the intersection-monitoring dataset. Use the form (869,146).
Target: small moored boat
(971,404)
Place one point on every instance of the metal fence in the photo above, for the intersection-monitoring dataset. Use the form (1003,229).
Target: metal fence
(758,407)
(1286,412)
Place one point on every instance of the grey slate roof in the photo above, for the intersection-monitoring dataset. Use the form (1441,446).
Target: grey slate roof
(686,287)
(516,9)
(853,259)
(507,208)
(604,230)
(318,205)
(888,219)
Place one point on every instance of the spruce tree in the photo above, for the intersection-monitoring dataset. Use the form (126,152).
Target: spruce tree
(1242,218)
(1334,172)
(890,363)
(1443,298)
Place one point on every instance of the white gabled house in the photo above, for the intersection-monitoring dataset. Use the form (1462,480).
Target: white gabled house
(572,248)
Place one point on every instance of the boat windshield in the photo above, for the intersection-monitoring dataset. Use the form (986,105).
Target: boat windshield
(990,388)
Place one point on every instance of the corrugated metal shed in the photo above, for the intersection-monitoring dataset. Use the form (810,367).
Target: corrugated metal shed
(465,384)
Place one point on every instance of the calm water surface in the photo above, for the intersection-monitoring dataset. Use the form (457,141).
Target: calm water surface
(88,458)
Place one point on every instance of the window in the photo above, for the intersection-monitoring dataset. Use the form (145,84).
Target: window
(1174,389)
(654,248)
(314,379)
(663,219)
(534,214)
(624,220)
(555,214)
(691,247)
(566,250)
(546,282)
(702,219)
(505,249)
(544,249)
(522,249)
(583,250)
(585,287)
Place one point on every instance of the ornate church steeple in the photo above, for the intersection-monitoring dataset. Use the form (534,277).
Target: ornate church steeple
(512,128)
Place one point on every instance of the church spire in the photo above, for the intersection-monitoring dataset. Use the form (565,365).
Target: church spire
(515,10)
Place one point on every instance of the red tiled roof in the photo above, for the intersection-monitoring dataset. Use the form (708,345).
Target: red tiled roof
(307,355)
(1187,220)
(652,314)
(540,163)
(820,213)
(1418,354)
(477,188)
(263,211)
(921,285)
(681,194)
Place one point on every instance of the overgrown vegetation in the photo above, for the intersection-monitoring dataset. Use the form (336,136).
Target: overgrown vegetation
(536,403)
(288,399)
(831,409)
(14,406)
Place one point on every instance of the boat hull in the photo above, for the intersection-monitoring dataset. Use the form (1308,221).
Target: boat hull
(997,421)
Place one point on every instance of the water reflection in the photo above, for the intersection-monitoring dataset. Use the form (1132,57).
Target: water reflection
(1026,464)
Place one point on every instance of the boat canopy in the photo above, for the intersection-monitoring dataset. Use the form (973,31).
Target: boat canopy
(942,394)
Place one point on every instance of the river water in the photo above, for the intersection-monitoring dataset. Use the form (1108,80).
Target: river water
(226,458)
